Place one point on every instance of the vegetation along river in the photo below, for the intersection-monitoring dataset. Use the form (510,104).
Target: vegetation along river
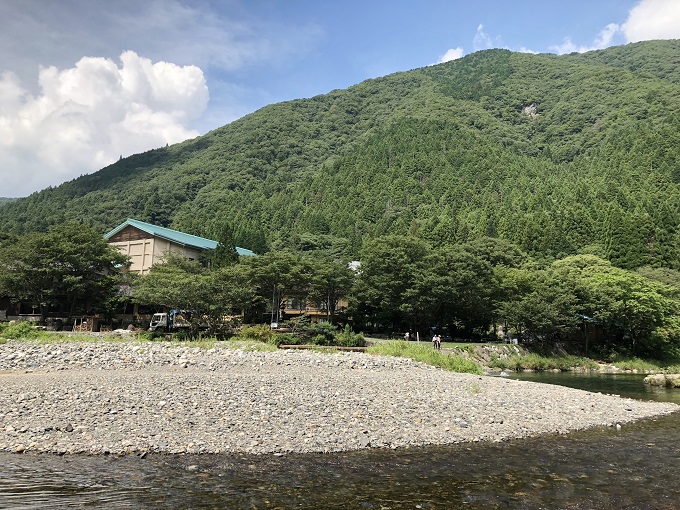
(635,467)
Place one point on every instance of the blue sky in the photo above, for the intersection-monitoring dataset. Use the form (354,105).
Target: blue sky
(83,82)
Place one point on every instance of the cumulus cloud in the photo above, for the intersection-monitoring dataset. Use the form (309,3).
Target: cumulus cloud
(451,54)
(85,117)
(653,19)
(647,20)
(604,39)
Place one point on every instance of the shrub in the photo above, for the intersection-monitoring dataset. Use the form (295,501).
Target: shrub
(348,338)
(22,330)
(323,333)
(288,339)
(150,336)
(183,335)
(322,340)
(259,333)
(672,369)
(315,330)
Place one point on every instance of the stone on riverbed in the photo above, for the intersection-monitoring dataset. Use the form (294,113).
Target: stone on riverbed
(667,380)
(131,398)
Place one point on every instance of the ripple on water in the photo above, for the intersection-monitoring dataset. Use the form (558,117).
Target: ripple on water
(598,468)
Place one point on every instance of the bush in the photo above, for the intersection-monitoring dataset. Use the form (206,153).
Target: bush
(672,369)
(288,339)
(320,340)
(319,333)
(258,333)
(22,330)
(324,333)
(348,338)
(150,336)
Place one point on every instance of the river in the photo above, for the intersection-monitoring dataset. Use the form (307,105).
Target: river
(635,467)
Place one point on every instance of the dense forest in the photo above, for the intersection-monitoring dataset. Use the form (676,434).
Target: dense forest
(558,155)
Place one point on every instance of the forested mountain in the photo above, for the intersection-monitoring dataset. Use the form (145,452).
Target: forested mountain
(4,200)
(559,155)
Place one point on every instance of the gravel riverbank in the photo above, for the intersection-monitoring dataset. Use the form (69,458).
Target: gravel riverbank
(129,397)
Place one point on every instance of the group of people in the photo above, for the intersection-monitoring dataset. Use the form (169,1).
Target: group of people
(437,342)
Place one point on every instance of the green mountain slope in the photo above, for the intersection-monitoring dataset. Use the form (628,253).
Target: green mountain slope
(558,154)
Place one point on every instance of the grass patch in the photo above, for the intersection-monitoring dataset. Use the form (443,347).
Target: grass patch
(540,363)
(672,369)
(426,354)
(635,364)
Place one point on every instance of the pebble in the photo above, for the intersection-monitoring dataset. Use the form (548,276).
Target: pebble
(139,398)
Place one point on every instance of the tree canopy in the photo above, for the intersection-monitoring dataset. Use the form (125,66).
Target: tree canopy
(69,262)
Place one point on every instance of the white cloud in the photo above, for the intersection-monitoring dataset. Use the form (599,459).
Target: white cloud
(482,40)
(229,40)
(451,54)
(647,20)
(85,117)
(604,39)
(653,19)
(606,36)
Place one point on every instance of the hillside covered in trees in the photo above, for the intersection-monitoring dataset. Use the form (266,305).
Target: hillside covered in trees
(559,155)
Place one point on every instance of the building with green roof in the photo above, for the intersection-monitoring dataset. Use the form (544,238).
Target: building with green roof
(147,244)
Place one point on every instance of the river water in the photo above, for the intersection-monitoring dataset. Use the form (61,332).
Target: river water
(635,467)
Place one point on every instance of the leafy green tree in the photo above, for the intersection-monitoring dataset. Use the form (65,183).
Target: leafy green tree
(176,283)
(625,301)
(633,312)
(497,252)
(538,306)
(331,281)
(277,276)
(225,254)
(70,262)
(454,288)
(383,293)
(211,295)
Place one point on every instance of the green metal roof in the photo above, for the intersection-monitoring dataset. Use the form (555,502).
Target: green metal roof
(175,236)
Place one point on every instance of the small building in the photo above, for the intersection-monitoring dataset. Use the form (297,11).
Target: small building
(147,244)
(317,312)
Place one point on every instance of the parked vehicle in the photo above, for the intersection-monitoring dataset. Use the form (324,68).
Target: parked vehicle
(174,320)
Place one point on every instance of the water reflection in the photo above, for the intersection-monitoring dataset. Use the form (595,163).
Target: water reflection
(625,384)
(603,468)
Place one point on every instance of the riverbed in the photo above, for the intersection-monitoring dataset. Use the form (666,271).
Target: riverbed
(603,467)
(117,398)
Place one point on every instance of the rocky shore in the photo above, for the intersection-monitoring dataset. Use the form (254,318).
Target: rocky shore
(139,398)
